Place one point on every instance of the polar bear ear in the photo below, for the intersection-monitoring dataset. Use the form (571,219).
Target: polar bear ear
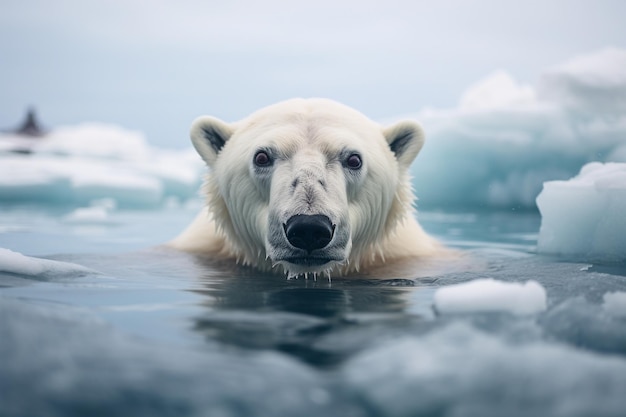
(208,136)
(405,139)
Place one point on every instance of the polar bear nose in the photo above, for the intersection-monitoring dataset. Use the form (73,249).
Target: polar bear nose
(309,232)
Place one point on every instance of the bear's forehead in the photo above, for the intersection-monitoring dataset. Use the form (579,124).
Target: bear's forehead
(297,129)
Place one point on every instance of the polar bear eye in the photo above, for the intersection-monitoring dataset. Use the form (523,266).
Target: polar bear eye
(262,159)
(354,161)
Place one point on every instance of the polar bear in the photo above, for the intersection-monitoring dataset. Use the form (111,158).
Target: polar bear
(307,186)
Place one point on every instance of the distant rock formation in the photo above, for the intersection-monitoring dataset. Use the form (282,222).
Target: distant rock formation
(30,127)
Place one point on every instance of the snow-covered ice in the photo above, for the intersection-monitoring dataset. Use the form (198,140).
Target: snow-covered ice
(18,264)
(489,295)
(586,216)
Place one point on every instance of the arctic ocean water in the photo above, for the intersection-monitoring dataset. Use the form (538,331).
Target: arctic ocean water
(152,332)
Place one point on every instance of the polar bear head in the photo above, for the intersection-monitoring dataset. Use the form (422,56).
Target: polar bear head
(308,185)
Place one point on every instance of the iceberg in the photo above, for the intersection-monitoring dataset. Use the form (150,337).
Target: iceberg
(78,164)
(585,216)
(505,138)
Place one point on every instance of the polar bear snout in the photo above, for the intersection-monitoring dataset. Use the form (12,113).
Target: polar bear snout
(307,243)
(309,232)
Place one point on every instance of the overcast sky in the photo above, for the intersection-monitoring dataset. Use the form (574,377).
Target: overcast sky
(154,65)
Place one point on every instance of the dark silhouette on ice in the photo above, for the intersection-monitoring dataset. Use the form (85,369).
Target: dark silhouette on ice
(30,127)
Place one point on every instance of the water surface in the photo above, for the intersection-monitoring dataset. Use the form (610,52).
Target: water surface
(156,332)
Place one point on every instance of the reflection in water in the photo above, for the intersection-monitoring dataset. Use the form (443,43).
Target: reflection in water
(321,302)
(306,319)
(317,322)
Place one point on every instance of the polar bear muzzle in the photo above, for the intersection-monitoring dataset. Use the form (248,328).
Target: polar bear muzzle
(309,232)
(309,236)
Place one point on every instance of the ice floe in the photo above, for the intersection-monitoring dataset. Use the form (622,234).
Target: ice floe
(17,264)
(489,295)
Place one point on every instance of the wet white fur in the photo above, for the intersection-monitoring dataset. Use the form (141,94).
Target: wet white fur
(378,205)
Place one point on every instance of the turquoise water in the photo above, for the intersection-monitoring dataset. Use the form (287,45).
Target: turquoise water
(158,333)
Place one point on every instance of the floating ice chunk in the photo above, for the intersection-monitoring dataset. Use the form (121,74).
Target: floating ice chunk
(16,263)
(489,295)
(585,216)
(615,303)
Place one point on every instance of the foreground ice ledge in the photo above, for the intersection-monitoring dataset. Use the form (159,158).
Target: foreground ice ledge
(44,269)
(585,217)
